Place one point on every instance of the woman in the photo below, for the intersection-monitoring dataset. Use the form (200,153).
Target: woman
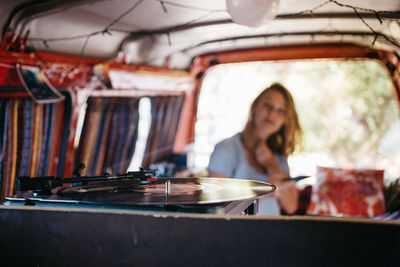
(260,151)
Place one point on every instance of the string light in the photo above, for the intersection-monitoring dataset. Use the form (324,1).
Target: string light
(252,13)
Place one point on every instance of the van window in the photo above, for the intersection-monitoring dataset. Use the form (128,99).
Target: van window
(347,109)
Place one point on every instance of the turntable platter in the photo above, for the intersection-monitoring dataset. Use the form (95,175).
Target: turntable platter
(167,191)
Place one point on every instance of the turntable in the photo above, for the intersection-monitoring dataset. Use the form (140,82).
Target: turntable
(143,191)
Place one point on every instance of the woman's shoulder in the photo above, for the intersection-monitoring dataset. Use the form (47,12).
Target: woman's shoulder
(228,146)
(224,158)
(232,141)
(282,161)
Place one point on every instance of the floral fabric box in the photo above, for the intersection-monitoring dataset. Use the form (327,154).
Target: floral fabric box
(348,192)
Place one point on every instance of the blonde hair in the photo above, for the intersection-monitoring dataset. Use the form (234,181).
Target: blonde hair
(289,138)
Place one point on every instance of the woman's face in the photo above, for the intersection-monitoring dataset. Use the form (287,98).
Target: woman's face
(270,113)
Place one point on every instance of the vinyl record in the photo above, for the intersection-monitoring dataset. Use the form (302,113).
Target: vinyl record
(167,191)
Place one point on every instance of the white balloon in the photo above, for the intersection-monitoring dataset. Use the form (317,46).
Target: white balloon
(252,13)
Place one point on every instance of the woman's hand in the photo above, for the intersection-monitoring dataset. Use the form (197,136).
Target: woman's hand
(263,153)
(286,192)
(266,158)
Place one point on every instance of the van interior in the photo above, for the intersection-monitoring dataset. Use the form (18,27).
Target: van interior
(112,88)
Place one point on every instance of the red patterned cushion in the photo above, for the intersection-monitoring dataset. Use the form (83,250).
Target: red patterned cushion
(348,192)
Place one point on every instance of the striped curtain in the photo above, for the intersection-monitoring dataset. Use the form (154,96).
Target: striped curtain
(109,135)
(29,140)
(165,114)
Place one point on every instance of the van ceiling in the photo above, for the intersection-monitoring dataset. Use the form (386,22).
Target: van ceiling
(173,32)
